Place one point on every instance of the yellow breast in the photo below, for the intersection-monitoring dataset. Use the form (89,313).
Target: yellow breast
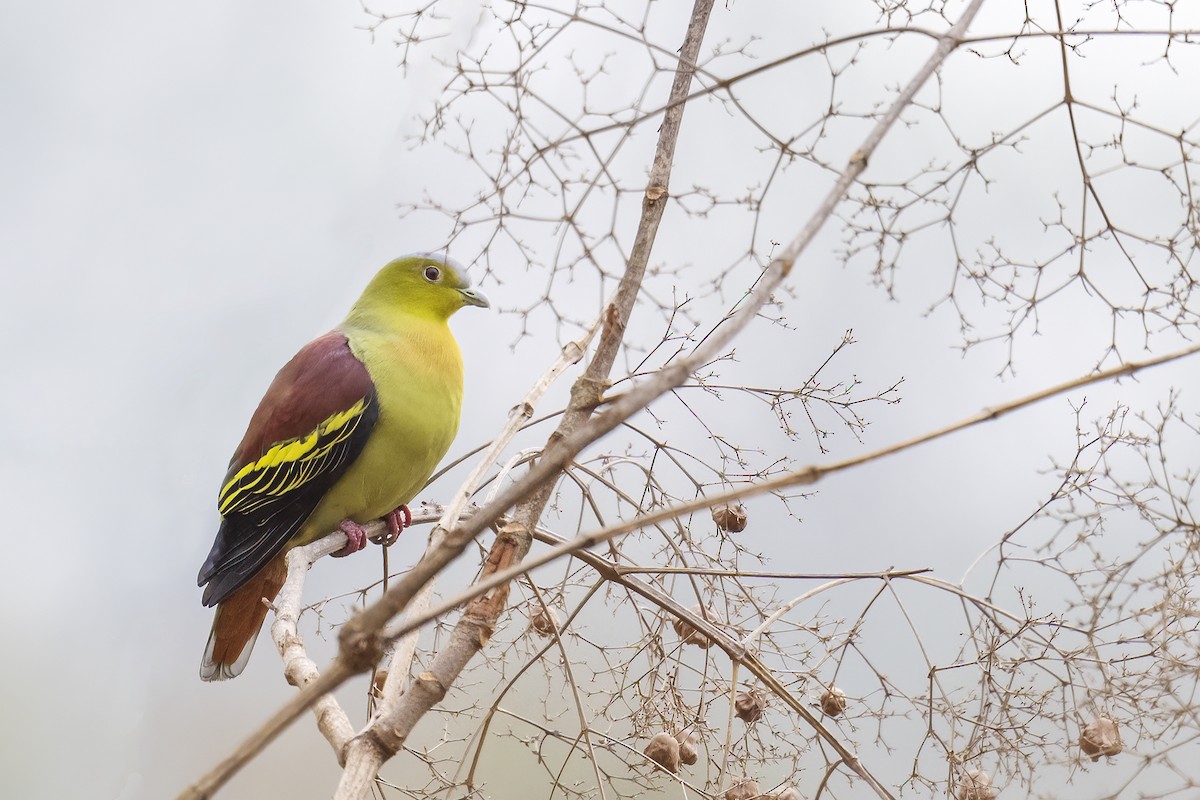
(418,375)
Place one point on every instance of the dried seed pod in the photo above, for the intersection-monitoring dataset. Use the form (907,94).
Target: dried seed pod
(975,784)
(664,751)
(688,745)
(1100,737)
(730,518)
(690,635)
(833,702)
(545,622)
(745,790)
(749,705)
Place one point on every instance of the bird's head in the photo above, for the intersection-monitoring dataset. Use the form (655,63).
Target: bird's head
(424,285)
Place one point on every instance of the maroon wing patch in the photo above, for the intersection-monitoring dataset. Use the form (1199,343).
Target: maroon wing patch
(323,379)
(309,427)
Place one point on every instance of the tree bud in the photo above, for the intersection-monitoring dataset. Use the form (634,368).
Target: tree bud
(975,784)
(690,635)
(688,746)
(730,518)
(833,702)
(1100,737)
(749,705)
(545,622)
(745,790)
(664,751)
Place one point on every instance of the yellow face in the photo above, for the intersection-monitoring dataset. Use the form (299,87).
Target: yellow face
(436,286)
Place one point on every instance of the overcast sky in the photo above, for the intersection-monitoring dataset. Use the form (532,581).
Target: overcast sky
(188,193)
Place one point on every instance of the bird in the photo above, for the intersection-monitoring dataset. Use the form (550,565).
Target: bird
(349,431)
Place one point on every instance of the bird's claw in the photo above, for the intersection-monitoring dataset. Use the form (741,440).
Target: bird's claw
(356,538)
(397,520)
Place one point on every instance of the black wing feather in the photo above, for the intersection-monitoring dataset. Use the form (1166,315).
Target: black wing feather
(266,507)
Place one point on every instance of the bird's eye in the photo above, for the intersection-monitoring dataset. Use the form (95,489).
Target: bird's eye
(433,274)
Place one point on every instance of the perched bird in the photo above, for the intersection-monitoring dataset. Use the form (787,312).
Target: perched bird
(349,431)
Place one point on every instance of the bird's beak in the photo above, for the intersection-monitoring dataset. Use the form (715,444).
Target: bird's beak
(473,297)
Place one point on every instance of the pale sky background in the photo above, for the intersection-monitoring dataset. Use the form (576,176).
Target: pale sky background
(188,193)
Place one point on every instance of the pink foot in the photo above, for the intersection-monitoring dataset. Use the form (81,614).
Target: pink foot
(397,520)
(356,538)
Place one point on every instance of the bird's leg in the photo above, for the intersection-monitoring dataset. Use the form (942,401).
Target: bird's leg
(397,520)
(356,538)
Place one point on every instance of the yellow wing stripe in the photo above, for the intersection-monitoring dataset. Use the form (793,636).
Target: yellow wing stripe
(288,465)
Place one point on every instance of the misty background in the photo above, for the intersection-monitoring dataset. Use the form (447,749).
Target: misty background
(190,192)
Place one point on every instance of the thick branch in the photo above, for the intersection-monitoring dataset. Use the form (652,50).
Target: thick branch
(298,668)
